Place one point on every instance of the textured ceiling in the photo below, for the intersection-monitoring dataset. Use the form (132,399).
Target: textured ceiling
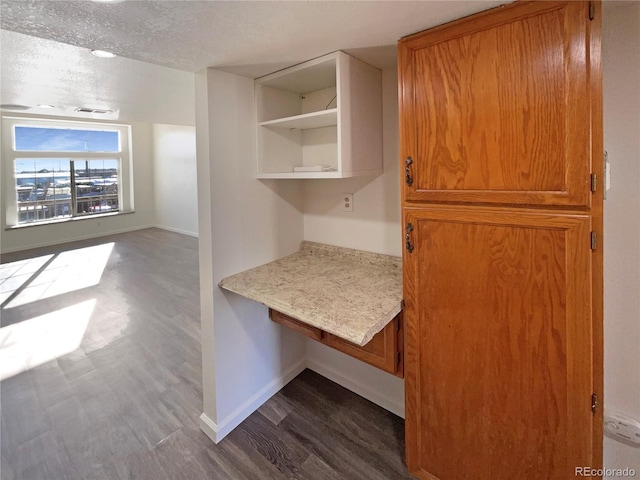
(37,71)
(45,59)
(252,38)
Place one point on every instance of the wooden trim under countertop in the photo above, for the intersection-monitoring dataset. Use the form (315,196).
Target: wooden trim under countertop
(300,327)
(384,351)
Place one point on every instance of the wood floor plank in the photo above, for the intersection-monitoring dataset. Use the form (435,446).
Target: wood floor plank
(7,470)
(276,409)
(313,467)
(279,448)
(33,454)
(243,463)
(126,403)
(26,422)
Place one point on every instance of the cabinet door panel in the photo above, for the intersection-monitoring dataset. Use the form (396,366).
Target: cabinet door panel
(495,109)
(498,362)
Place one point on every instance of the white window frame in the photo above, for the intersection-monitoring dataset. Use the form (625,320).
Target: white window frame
(10,155)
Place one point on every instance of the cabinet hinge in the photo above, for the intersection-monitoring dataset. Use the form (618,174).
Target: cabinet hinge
(594,240)
(592,11)
(594,182)
(594,402)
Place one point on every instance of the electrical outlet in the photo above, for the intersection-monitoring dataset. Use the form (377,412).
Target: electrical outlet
(346,200)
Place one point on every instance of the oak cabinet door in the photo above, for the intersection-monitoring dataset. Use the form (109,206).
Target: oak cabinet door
(496,108)
(498,354)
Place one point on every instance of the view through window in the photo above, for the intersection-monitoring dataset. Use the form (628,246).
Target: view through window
(66,172)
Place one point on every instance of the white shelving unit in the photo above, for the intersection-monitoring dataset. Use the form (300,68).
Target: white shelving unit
(306,121)
(325,112)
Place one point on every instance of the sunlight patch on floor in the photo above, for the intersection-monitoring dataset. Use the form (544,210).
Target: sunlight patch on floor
(50,275)
(33,342)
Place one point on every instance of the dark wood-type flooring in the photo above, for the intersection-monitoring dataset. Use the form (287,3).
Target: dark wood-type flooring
(125,402)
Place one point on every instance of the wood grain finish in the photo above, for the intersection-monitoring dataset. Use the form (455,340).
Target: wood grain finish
(597,219)
(494,108)
(300,327)
(503,364)
(125,404)
(383,351)
(501,113)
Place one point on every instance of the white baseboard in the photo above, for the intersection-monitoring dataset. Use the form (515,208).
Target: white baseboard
(105,233)
(217,432)
(395,406)
(209,427)
(77,238)
(177,230)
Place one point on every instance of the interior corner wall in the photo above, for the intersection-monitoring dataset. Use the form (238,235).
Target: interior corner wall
(374,225)
(143,216)
(174,178)
(621,66)
(243,222)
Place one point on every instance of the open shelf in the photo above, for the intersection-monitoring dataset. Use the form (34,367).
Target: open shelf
(323,118)
(327,111)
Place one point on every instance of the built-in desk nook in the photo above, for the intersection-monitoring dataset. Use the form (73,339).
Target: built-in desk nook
(350,300)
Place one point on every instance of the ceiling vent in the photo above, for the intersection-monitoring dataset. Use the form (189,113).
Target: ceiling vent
(14,106)
(93,110)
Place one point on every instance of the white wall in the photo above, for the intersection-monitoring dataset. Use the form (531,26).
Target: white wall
(621,61)
(174,178)
(243,223)
(144,216)
(374,225)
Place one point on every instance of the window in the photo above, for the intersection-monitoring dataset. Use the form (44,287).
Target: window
(63,170)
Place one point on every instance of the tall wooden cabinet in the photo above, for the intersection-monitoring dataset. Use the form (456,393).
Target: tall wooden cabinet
(501,146)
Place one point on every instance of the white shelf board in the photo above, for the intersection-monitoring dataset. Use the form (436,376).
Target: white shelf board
(323,118)
(332,174)
(293,175)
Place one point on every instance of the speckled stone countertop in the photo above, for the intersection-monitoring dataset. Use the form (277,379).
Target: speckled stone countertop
(349,293)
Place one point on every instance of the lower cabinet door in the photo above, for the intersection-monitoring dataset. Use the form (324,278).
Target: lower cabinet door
(498,339)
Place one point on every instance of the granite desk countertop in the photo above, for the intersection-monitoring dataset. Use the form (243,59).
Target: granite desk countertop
(349,293)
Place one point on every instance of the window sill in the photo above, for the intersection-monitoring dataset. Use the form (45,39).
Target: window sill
(67,220)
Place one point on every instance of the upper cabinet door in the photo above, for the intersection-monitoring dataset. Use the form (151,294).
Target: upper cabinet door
(496,108)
